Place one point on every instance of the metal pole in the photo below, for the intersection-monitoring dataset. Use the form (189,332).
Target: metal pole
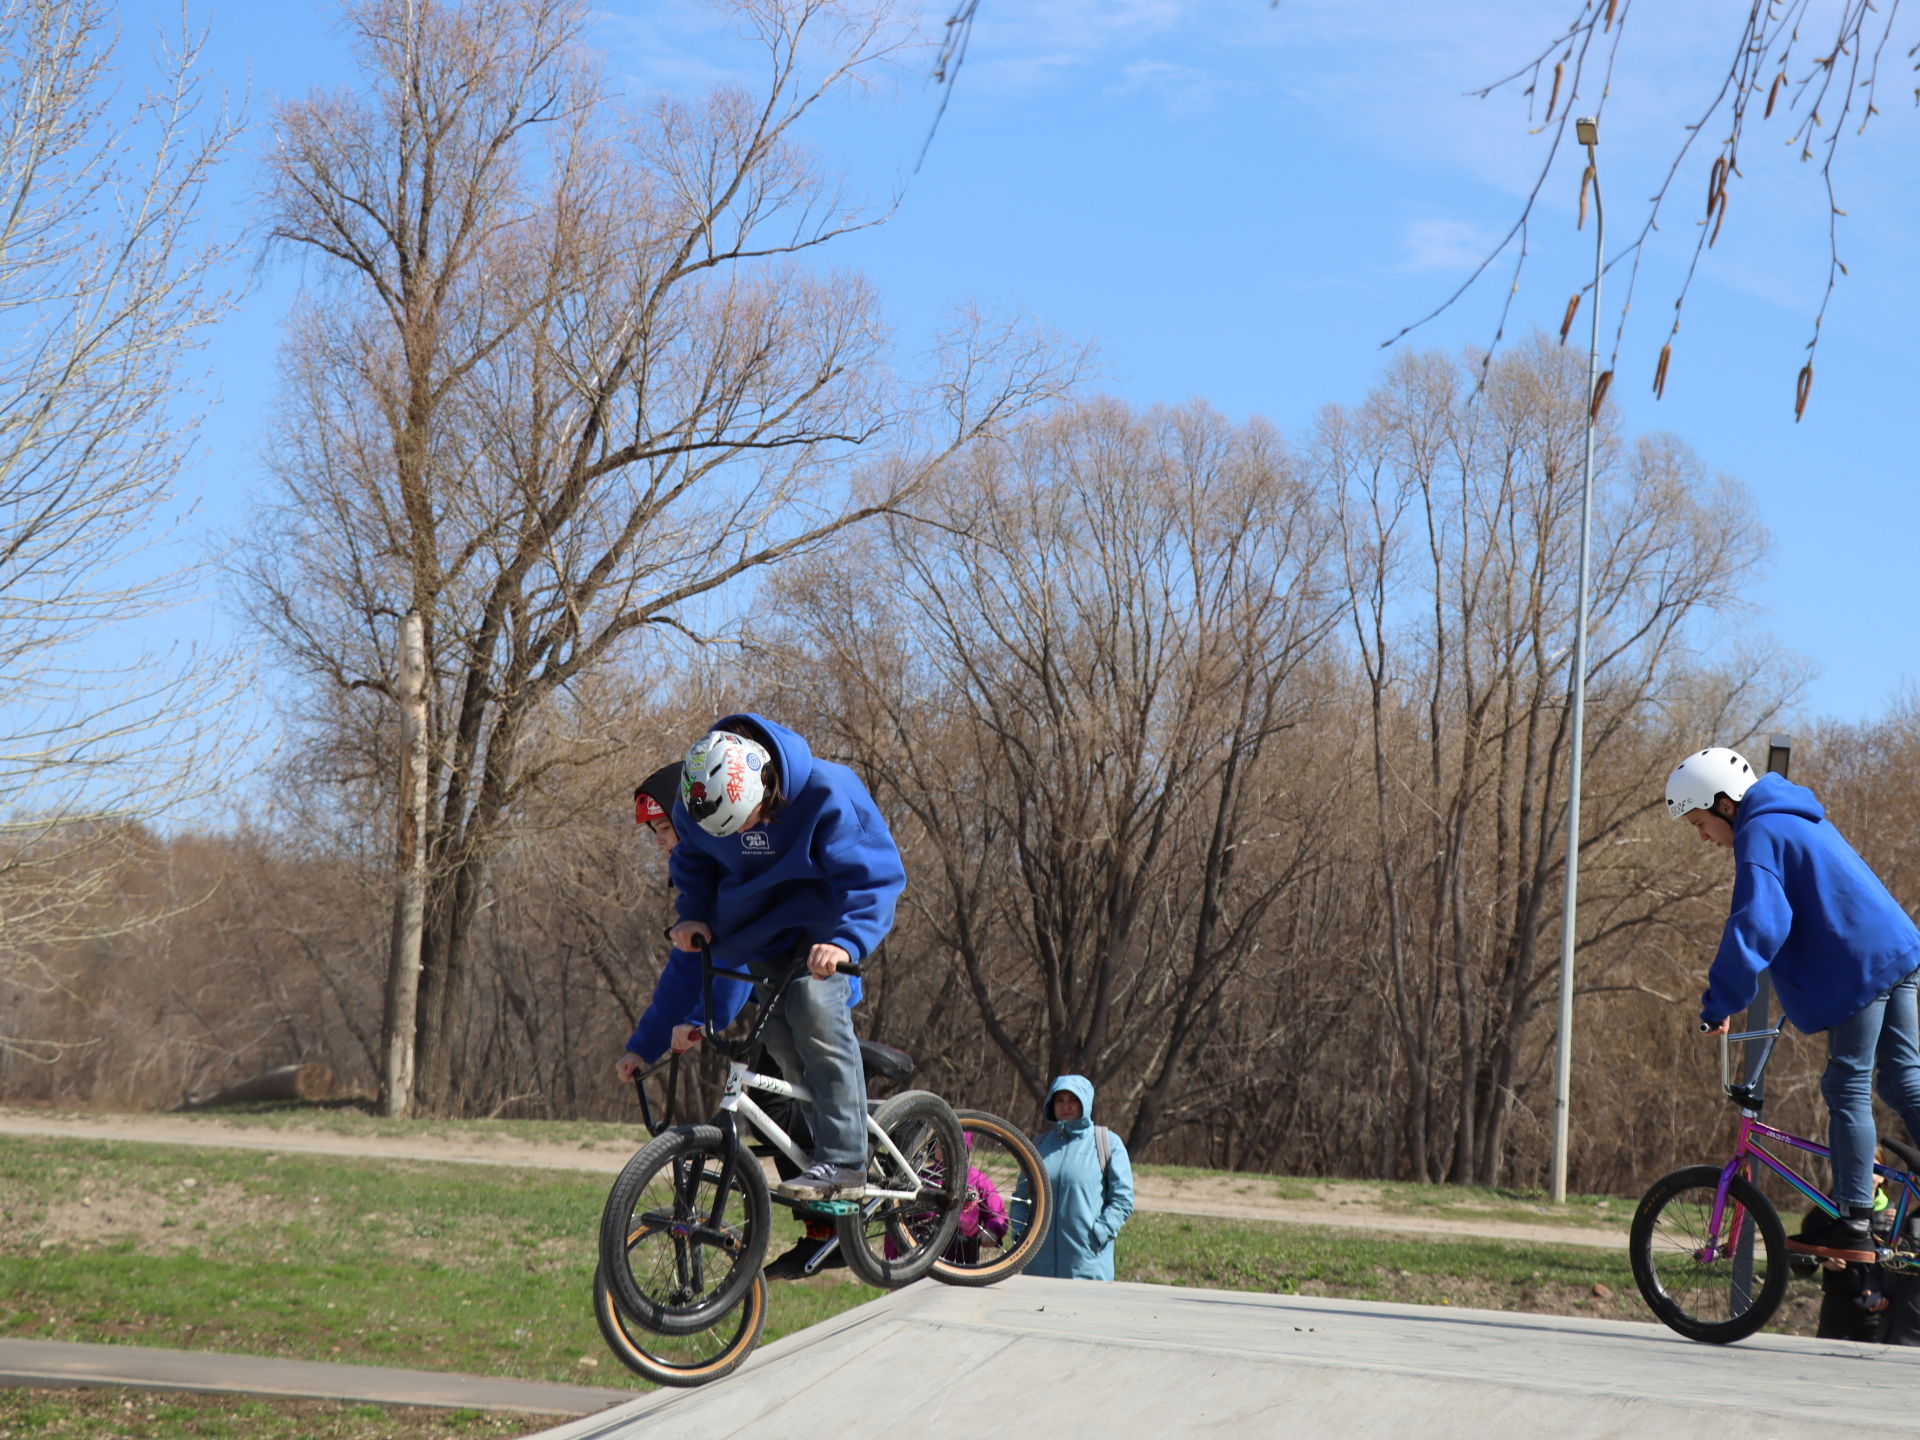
(1589,132)
(1779,758)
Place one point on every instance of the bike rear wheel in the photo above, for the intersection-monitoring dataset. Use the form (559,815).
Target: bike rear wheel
(682,1360)
(891,1243)
(1689,1292)
(1007,1208)
(677,1255)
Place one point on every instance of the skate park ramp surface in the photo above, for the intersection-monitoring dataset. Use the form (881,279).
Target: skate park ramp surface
(1062,1359)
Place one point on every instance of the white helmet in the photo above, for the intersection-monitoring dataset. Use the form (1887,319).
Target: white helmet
(723,781)
(1698,778)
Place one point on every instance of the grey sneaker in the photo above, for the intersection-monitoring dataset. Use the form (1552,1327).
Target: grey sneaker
(826,1182)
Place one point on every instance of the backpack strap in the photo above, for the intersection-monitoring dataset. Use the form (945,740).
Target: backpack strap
(1102,1144)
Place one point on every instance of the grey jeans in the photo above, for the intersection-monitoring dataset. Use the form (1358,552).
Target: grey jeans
(811,1036)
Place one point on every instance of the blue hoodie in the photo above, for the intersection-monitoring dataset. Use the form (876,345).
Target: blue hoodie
(1808,908)
(677,1000)
(823,870)
(1089,1204)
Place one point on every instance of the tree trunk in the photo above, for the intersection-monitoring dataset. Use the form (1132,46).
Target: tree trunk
(410,886)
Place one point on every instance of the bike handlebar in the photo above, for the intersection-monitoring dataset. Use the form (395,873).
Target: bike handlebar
(1726,1058)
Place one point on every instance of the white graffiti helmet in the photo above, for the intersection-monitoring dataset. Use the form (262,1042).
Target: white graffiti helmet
(1704,774)
(723,781)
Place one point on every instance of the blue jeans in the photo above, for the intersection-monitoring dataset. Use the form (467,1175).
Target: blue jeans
(1883,1034)
(811,1035)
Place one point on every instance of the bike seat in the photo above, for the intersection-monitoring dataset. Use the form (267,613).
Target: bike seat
(885,1061)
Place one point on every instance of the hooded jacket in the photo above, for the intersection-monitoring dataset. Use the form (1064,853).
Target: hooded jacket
(1806,907)
(824,870)
(677,1000)
(1089,1204)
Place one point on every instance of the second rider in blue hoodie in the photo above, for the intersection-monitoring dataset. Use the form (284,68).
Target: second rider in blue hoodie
(782,855)
(1844,957)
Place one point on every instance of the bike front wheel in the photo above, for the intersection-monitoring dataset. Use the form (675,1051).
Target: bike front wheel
(1688,1275)
(685,1230)
(891,1243)
(1007,1208)
(682,1360)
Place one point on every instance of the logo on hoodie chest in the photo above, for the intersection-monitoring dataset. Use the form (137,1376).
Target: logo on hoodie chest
(756,842)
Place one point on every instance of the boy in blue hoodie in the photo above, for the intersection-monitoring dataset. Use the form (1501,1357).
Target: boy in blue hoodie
(782,857)
(1843,955)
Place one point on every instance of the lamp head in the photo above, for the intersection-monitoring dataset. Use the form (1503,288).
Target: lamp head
(1588,130)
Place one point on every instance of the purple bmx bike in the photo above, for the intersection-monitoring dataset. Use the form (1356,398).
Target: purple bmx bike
(1708,1250)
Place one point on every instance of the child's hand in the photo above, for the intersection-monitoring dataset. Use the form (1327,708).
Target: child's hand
(628,1066)
(685,1037)
(683,935)
(822,959)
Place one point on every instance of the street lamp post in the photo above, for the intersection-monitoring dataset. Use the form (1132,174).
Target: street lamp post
(1588,131)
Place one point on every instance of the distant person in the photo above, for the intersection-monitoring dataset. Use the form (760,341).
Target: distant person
(1092,1186)
(1843,955)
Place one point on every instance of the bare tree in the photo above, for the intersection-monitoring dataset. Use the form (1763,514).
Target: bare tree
(1075,672)
(1456,518)
(103,289)
(565,377)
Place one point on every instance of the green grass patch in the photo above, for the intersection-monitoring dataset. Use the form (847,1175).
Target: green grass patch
(455,1268)
(114,1414)
(1300,1260)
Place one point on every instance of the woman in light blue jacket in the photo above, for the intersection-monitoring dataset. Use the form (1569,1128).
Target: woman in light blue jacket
(1092,1186)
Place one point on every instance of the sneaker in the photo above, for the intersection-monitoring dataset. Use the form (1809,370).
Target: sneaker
(793,1264)
(826,1182)
(1834,1237)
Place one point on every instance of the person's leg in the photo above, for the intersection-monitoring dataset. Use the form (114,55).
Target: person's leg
(1898,1070)
(777,1036)
(1847,1084)
(821,1030)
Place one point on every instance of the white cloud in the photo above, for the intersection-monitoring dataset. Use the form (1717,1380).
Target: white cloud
(1183,89)
(1454,246)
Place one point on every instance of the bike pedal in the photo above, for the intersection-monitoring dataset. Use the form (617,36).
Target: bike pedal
(829,1207)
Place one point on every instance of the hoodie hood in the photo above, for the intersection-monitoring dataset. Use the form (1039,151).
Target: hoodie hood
(1777,795)
(792,760)
(1077,1086)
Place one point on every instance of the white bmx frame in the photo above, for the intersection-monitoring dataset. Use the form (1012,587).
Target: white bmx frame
(734,1099)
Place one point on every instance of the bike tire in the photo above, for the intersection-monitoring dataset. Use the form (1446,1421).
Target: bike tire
(671,1268)
(1001,1154)
(682,1360)
(1694,1297)
(915,1231)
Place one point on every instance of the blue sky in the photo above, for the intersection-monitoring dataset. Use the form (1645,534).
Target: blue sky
(1240,203)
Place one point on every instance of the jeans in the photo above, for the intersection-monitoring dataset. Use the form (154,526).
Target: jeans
(1883,1034)
(811,1036)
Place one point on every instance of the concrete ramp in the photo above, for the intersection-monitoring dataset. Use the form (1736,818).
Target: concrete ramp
(1061,1359)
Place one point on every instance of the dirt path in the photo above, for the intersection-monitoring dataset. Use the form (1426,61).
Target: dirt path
(1343,1205)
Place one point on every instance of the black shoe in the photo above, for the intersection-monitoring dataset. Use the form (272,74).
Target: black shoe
(793,1264)
(1834,1237)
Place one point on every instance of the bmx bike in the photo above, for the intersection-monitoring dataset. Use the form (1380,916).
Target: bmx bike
(679,1293)
(1708,1249)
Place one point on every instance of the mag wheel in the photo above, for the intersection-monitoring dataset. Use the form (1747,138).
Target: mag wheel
(891,1243)
(1007,1207)
(684,1231)
(683,1359)
(1693,1286)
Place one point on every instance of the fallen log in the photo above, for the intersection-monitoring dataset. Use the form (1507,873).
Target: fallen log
(285,1082)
